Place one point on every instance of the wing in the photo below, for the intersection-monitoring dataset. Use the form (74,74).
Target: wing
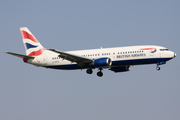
(19,55)
(81,61)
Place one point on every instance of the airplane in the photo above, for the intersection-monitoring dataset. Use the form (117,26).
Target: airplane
(117,59)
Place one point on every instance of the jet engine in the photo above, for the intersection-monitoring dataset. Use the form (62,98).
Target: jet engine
(102,62)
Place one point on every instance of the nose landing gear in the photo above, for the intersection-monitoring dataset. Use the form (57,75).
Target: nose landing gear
(160,63)
(158,68)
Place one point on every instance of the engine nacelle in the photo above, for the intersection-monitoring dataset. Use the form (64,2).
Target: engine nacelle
(102,62)
(120,69)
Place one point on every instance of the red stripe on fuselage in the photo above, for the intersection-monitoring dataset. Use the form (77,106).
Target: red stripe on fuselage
(148,49)
(26,35)
(37,53)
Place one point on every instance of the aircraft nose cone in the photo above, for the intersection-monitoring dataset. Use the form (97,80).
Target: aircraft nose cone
(174,54)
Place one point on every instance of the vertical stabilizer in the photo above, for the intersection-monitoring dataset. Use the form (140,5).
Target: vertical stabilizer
(31,44)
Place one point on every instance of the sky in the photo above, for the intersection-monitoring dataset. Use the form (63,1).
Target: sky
(28,92)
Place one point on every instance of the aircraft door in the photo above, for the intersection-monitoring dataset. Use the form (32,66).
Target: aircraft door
(151,53)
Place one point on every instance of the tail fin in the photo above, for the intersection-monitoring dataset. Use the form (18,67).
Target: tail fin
(31,44)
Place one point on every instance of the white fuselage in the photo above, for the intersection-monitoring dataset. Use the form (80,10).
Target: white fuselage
(120,56)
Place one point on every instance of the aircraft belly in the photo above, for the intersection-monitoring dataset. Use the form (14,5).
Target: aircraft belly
(67,67)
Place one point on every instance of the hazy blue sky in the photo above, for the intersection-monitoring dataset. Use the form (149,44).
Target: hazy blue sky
(31,93)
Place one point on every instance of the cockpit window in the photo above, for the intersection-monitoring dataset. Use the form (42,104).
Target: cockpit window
(163,49)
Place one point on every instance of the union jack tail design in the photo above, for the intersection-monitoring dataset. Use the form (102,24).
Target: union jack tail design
(31,44)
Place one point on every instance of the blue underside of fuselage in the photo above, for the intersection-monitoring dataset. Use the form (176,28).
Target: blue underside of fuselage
(114,63)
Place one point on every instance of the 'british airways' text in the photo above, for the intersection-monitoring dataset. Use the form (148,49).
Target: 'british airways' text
(132,55)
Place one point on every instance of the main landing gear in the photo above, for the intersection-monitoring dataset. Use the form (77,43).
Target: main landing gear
(100,74)
(89,71)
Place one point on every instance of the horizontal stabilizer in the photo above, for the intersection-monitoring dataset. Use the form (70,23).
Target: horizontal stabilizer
(19,55)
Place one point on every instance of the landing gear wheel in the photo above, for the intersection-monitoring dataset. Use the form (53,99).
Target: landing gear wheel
(100,74)
(158,68)
(89,71)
